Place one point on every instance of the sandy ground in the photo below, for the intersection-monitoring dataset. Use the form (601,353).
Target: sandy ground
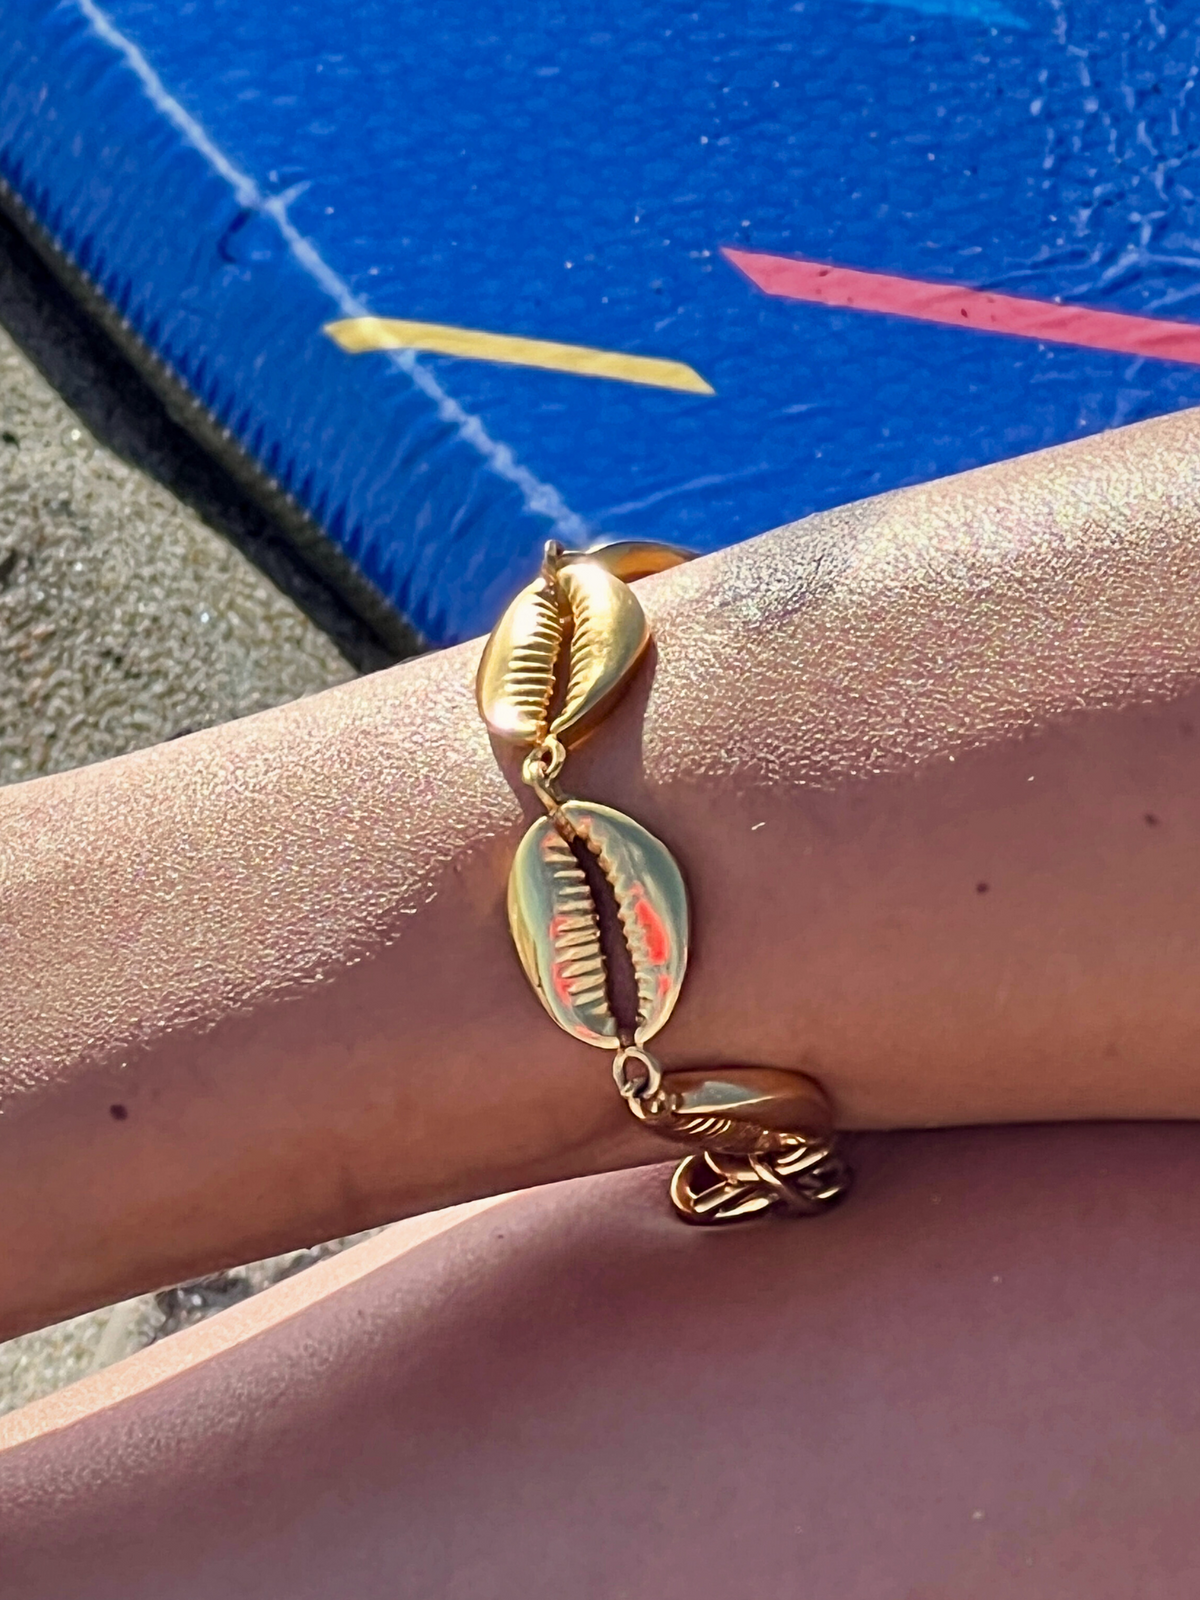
(123,620)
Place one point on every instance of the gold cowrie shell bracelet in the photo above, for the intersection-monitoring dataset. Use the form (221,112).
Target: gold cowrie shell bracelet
(599,911)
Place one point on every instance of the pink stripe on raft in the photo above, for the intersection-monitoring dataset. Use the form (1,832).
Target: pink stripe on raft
(957,307)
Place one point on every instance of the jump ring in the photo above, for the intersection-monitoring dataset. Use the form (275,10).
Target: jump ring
(636,1088)
(544,762)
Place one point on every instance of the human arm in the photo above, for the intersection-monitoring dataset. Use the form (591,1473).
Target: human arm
(907,754)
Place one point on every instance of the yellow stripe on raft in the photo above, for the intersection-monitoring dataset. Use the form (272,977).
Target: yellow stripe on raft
(359,334)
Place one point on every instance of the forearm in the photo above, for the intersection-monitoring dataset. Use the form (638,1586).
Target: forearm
(259,983)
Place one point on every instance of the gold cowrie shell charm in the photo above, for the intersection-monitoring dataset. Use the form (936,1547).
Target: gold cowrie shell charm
(631,559)
(556,927)
(560,655)
(738,1110)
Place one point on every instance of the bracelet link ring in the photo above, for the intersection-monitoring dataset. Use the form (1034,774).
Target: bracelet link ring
(636,1089)
(540,770)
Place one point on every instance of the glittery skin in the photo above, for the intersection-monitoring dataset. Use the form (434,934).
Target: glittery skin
(240,862)
(928,764)
(940,619)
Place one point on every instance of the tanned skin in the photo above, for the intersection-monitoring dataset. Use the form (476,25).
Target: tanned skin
(931,765)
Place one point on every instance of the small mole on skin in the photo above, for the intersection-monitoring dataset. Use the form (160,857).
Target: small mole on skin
(982,888)
(1150,820)
(118,1113)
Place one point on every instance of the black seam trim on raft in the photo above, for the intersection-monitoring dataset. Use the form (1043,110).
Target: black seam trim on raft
(312,543)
